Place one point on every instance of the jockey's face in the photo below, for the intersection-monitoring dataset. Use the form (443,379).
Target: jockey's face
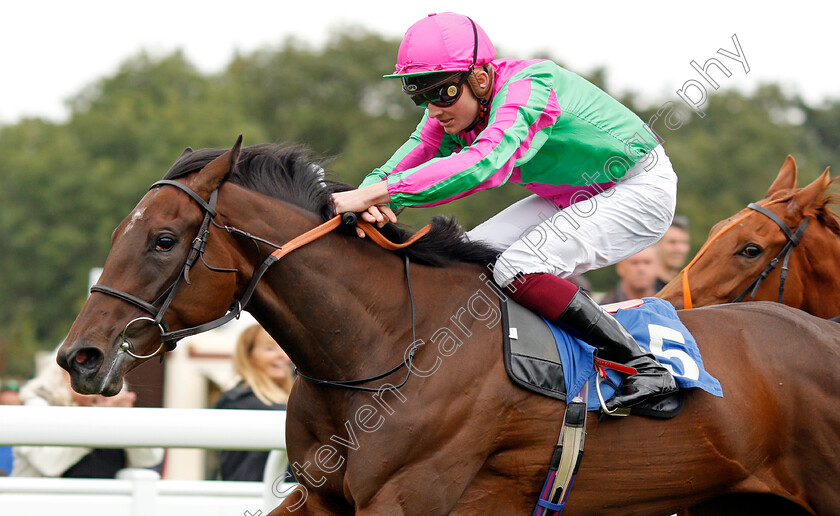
(458,116)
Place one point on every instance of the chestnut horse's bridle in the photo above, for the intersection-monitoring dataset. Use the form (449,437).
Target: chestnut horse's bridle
(793,239)
(158,308)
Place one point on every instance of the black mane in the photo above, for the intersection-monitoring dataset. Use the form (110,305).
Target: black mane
(289,174)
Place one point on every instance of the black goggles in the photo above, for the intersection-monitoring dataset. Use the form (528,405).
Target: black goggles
(434,90)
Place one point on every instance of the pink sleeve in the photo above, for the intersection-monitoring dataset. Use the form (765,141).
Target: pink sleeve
(529,107)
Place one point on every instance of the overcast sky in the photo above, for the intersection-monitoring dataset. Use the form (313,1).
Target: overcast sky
(51,50)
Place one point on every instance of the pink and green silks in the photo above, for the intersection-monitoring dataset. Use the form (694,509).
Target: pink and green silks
(548,129)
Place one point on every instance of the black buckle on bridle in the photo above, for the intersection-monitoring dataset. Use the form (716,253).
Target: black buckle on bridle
(793,239)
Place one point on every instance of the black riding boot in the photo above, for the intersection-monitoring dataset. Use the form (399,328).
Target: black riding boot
(588,321)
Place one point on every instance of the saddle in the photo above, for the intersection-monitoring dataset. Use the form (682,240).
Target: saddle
(533,361)
(542,358)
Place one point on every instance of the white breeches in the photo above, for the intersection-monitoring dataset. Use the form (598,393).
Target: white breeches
(535,235)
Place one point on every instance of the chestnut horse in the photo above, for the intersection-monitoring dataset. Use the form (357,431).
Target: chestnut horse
(442,430)
(752,257)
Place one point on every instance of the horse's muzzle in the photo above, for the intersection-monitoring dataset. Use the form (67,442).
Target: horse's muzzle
(83,363)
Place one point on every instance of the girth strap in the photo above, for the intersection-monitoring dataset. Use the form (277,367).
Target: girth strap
(566,459)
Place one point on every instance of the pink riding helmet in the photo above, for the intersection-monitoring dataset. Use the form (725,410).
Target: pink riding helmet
(445,42)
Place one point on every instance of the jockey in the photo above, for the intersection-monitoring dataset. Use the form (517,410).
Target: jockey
(604,188)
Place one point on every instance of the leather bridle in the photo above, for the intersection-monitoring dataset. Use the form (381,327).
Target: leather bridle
(793,239)
(158,308)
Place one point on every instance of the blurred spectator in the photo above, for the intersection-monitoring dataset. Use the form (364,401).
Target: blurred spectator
(672,250)
(638,274)
(8,396)
(581,281)
(265,380)
(52,388)
(9,393)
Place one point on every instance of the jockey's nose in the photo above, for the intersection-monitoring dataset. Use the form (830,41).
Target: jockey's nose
(434,111)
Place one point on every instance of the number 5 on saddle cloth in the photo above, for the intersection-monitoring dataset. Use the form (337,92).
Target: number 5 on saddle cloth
(544,359)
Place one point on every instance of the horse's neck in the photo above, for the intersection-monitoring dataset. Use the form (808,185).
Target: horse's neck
(338,314)
(339,306)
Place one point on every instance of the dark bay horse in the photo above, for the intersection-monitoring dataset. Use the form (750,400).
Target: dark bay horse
(741,248)
(444,431)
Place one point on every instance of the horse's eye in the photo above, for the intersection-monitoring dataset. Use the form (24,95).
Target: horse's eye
(165,243)
(751,251)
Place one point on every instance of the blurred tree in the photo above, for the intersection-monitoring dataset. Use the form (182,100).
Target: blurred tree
(47,218)
(139,120)
(823,131)
(327,98)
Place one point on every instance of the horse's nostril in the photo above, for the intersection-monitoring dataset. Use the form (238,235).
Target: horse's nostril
(82,356)
(86,360)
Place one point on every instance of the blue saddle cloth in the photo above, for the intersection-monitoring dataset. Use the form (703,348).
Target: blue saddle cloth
(657,328)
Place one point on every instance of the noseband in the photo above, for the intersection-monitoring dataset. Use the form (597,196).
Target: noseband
(793,239)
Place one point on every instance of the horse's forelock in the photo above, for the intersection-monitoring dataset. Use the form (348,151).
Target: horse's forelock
(819,210)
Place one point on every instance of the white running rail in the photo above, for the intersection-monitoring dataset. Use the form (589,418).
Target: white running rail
(140,492)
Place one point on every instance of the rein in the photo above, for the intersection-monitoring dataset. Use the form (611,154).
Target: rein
(158,308)
(354,384)
(793,239)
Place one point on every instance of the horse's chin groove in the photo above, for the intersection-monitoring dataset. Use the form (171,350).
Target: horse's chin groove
(111,389)
(85,385)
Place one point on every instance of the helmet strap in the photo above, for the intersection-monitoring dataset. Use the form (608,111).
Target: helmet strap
(483,95)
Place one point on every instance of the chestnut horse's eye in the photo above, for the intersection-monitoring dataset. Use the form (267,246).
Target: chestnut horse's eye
(165,243)
(751,251)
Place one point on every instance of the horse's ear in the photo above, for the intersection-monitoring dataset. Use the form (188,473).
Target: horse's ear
(786,180)
(814,191)
(188,150)
(214,173)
